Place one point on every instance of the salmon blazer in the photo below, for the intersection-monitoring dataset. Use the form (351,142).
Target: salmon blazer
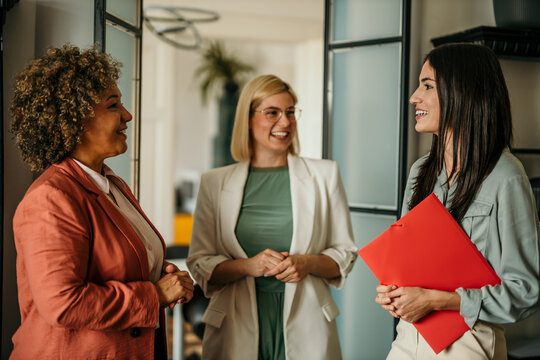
(82,273)
(321,225)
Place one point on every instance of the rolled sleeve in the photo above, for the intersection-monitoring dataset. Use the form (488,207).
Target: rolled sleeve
(470,304)
(202,269)
(345,261)
(204,254)
(514,230)
(341,247)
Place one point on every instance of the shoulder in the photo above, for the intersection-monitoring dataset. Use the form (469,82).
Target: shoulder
(320,163)
(324,173)
(415,168)
(418,163)
(317,166)
(54,190)
(508,165)
(230,177)
(507,171)
(221,173)
(54,179)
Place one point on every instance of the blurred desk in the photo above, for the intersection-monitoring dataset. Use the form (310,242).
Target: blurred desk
(185,339)
(183,224)
(524,349)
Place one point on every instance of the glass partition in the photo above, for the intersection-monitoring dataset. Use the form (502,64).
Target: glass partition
(366,19)
(127,10)
(362,322)
(122,46)
(365,123)
(365,130)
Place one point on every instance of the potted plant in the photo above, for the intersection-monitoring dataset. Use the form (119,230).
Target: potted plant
(220,69)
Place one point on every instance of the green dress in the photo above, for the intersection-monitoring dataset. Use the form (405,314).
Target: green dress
(265,222)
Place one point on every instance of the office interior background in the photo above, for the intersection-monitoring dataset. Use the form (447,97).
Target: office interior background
(353,64)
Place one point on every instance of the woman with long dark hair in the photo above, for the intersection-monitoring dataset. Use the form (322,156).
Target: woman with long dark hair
(463,100)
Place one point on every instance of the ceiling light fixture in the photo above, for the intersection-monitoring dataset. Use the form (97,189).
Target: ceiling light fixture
(176,25)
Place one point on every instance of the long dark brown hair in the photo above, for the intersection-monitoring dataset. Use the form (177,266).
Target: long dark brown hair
(475,110)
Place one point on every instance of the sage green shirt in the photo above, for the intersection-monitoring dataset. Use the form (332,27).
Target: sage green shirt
(503,223)
(265,219)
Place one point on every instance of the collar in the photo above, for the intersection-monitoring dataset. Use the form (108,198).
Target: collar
(101,181)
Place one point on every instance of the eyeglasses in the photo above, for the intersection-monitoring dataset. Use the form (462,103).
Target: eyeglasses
(273,114)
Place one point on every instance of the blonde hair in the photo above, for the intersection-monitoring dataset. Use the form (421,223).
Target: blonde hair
(252,95)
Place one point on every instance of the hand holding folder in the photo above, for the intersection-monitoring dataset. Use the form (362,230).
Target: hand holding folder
(427,248)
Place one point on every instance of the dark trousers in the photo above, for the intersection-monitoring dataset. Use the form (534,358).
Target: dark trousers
(160,350)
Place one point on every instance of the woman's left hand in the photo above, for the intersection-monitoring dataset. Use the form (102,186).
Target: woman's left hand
(292,269)
(411,303)
(170,268)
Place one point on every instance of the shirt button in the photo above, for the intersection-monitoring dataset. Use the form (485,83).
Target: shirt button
(149,248)
(135,332)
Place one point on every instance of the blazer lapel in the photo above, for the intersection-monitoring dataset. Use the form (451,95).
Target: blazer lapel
(127,230)
(127,193)
(229,207)
(303,204)
(303,210)
(229,210)
(74,170)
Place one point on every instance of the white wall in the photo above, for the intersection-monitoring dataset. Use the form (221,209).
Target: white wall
(158,115)
(46,23)
(523,81)
(309,83)
(59,21)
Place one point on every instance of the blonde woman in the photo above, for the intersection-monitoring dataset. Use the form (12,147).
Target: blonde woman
(271,233)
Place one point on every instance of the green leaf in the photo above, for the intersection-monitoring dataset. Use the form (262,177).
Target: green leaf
(217,67)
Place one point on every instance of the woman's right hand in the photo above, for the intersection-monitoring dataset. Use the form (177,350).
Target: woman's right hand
(174,286)
(264,261)
(385,300)
(414,303)
(256,266)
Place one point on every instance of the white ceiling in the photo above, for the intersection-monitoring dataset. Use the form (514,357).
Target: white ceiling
(287,21)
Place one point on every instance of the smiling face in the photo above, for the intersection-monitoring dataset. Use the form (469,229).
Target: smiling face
(105,134)
(426,101)
(271,140)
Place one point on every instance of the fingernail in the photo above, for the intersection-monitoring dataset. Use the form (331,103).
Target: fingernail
(394,287)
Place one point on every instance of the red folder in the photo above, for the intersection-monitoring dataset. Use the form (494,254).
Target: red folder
(427,248)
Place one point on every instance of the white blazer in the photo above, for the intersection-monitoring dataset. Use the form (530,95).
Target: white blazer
(321,225)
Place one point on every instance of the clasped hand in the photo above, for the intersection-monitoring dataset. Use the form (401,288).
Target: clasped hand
(409,303)
(285,267)
(174,287)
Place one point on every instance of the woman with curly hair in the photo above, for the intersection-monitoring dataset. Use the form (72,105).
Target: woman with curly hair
(91,276)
